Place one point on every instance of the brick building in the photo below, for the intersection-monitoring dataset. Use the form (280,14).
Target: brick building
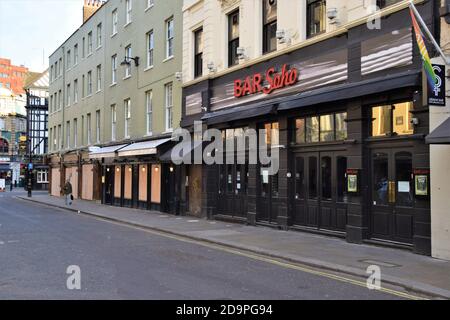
(12,77)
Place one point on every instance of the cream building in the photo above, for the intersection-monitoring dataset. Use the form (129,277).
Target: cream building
(113,83)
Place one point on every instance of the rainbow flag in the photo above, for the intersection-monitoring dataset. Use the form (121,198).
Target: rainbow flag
(431,75)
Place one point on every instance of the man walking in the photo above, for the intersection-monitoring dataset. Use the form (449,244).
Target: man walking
(67,190)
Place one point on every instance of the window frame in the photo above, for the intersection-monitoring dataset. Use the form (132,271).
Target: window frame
(168,105)
(170,36)
(233,58)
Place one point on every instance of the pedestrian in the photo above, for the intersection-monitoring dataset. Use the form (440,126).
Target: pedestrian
(67,190)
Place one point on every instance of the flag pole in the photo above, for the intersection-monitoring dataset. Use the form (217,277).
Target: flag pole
(428,32)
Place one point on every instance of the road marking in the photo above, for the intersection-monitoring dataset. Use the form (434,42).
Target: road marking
(273,261)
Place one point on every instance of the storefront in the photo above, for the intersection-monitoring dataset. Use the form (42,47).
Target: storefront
(347,116)
(134,176)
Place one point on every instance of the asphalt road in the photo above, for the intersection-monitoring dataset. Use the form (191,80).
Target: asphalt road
(38,243)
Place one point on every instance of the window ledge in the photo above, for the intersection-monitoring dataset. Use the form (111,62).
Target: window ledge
(127,77)
(113,84)
(148,68)
(127,24)
(98,48)
(168,59)
(114,34)
(98,91)
(148,8)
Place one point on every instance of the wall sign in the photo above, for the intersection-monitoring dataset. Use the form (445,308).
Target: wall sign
(352,181)
(255,84)
(422,182)
(436,95)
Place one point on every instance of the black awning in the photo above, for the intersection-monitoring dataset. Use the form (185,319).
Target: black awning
(441,135)
(242,112)
(351,90)
(186,147)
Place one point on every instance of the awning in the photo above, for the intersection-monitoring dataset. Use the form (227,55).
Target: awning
(142,148)
(441,135)
(242,112)
(105,152)
(186,152)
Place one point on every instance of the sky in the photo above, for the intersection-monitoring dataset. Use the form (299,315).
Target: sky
(31,30)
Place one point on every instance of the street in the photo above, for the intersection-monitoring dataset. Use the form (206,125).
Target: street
(38,244)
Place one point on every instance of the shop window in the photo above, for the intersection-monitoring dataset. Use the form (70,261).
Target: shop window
(269,26)
(404,174)
(272,134)
(156,184)
(381,179)
(265,180)
(128,182)
(326,178)
(326,128)
(392,120)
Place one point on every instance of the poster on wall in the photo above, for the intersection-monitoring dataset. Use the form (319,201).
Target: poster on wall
(436,95)
(352,181)
(422,182)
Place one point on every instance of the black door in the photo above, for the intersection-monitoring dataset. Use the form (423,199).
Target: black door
(233,190)
(109,186)
(267,206)
(392,195)
(320,191)
(169,196)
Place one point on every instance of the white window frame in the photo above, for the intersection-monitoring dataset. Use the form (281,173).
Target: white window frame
(170,30)
(114,69)
(115,22)
(127,112)
(150,3)
(168,93)
(68,94)
(113,122)
(75,133)
(69,59)
(89,83)
(128,11)
(97,126)
(68,135)
(89,129)
(90,43)
(99,78)
(75,91)
(42,176)
(99,35)
(75,54)
(128,55)
(149,111)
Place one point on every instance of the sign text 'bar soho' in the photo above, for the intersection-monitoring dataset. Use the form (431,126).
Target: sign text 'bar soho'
(256,83)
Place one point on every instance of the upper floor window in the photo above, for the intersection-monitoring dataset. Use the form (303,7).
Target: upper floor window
(169,106)
(90,43)
(128,66)
(198,53)
(75,54)
(89,83)
(386,3)
(99,35)
(392,120)
(114,69)
(115,21)
(83,48)
(170,37)
(149,109)
(99,77)
(150,48)
(128,8)
(324,128)
(233,38)
(150,3)
(272,131)
(269,26)
(113,122)
(127,107)
(316,17)
(69,59)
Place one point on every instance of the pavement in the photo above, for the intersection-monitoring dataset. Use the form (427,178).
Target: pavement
(414,273)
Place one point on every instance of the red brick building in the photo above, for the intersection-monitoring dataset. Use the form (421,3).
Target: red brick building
(12,77)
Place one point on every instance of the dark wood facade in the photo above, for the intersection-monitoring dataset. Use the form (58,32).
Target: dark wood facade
(311,190)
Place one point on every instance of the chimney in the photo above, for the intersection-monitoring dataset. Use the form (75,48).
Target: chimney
(90,7)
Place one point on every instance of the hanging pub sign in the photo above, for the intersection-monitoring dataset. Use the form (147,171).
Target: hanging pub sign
(436,93)
(267,83)
(422,182)
(352,180)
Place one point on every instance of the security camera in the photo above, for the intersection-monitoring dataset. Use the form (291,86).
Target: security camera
(240,51)
(415,121)
(281,34)
(332,13)
(179,76)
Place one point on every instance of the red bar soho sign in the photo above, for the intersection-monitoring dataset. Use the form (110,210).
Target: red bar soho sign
(254,84)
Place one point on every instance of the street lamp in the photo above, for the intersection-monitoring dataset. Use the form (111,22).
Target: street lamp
(127,62)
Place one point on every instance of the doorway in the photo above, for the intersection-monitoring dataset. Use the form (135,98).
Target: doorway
(233,182)
(268,197)
(109,186)
(392,198)
(319,191)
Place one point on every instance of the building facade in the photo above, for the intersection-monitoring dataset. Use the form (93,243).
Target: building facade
(115,99)
(338,88)
(12,77)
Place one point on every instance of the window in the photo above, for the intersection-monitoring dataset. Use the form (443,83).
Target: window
(149,109)
(97,126)
(115,21)
(315,15)
(89,129)
(42,176)
(269,26)
(128,8)
(75,133)
(233,38)
(68,94)
(99,35)
(75,91)
(90,45)
(113,122)
(99,77)
(150,48)
(386,3)
(60,141)
(272,134)
(150,3)
(51,74)
(169,106)
(114,69)
(128,66)
(83,86)
(169,39)
(69,62)
(60,67)
(127,108)
(392,120)
(89,83)
(324,128)
(60,102)
(198,53)
(68,134)
(51,103)
(75,54)
(83,49)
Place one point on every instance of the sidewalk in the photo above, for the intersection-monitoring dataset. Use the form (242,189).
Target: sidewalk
(399,267)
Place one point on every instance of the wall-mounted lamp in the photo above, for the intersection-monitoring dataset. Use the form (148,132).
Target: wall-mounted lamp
(240,51)
(171,169)
(127,61)
(179,76)
(283,37)
(211,67)
(118,169)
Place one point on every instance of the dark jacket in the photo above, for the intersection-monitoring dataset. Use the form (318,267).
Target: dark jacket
(67,188)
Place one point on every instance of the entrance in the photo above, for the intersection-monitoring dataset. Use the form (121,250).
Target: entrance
(109,186)
(268,197)
(392,195)
(320,193)
(233,190)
